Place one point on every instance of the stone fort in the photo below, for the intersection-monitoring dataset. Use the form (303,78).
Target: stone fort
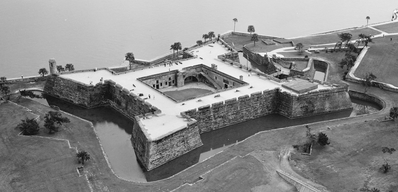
(166,127)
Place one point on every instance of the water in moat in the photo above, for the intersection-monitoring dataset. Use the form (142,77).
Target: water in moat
(114,132)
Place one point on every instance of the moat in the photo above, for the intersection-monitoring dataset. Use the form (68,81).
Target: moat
(114,132)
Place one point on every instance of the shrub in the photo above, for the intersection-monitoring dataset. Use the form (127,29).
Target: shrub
(52,118)
(385,168)
(323,139)
(29,127)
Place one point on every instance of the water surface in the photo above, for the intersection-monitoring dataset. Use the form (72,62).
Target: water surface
(92,33)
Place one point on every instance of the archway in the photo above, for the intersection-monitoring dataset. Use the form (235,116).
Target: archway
(190,79)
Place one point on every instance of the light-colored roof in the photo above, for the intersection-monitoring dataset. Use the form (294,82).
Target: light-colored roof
(169,120)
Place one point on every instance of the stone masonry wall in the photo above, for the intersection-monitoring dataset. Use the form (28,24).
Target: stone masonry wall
(313,103)
(319,102)
(128,102)
(174,145)
(259,60)
(243,108)
(232,111)
(152,154)
(88,96)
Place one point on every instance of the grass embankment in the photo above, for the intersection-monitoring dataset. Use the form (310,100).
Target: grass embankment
(353,158)
(381,60)
(332,37)
(389,28)
(238,42)
(33,163)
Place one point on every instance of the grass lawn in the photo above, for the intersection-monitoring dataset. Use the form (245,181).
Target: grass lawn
(32,163)
(45,164)
(184,94)
(262,48)
(333,37)
(389,28)
(239,41)
(353,158)
(381,59)
(25,85)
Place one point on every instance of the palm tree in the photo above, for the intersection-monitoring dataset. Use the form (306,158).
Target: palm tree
(299,47)
(82,156)
(235,21)
(211,35)
(177,46)
(199,42)
(43,71)
(69,67)
(205,36)
(254,38)
(367,20)
(130,57)
(251,29)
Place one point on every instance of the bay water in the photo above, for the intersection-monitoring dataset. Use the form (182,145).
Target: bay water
(91,33)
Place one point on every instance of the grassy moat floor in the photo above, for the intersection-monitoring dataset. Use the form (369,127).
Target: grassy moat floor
(350,163)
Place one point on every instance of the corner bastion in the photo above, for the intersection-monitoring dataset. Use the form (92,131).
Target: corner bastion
(164,129)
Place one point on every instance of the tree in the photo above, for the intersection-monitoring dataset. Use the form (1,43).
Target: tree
(199,42)
(345,37)
(299,47)
(394,112)
(251,29)
(29,127)
(348,61)
(6,91)
(235,21)
(338,45)
(43,71)
(60,68)
(254,38)
(3,81)
(368,39)
(175,47)
(211,35)
(323,139)
(351,48)
(52,118)
(130,58)
(367,20)
(205,36)
(70,66)
(368,80)
(82,156)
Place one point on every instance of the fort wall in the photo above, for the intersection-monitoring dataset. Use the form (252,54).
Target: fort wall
(153,153)
(243,108)
(259,60)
